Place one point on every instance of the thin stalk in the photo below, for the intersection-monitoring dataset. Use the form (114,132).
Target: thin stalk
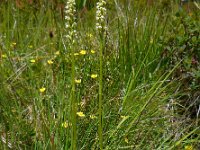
(100,118)
(70,26)
(73,104)
(101,28)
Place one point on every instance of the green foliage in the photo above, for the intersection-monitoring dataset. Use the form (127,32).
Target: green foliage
(183,45)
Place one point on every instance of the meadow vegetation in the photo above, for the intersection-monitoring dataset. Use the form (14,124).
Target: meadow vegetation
(72,80)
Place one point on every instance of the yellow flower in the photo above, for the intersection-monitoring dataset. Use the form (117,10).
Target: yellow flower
(93,51)
(42,90)
(126,140)
(50,62)
(80,114)
(4,56)
(66,124)
(32,61)
(57,53)
(83,52)
(76,54)
(123,117)
(93,117)
(13,44)
(189,147)
(30,46)
(78,81)
(93,76)
(89,35)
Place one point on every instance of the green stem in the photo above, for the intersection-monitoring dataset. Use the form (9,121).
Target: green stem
(73,103)
(100,118)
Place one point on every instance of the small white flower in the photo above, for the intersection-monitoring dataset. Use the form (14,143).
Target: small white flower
(66,26)
(67,18)
(70,21)
(100,16)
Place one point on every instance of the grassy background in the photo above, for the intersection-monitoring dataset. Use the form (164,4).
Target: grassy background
(139,94)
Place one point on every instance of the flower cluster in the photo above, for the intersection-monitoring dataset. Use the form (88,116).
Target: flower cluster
(100,16)
(70,21)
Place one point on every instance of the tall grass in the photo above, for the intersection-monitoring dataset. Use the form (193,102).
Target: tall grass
(101,92)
